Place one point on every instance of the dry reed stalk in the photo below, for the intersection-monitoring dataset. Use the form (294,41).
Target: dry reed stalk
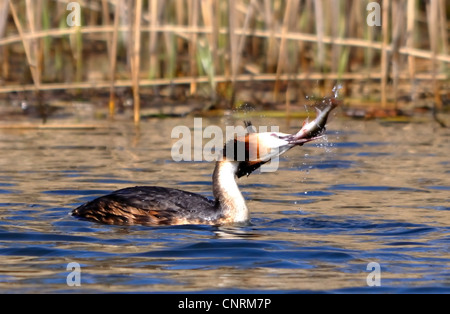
(113,59)
(4,56)
(397,30)
(179,17)
(245,27)
(343,52)
(76,44)
(125,35)
(183,30)
(443,26)
(331,26)
(272,35)
(206,7)
(271,51)
(358,20)
(432,16)
(170,43)
(76,47)
(254,46)
(34,23)
(369,55)
(170,60)
(4,11)
(335,15)
(293,53)
(304,25)
(411,9)
(282,50)
(207,10)
(153,13)
(41,42)
(193,22)
(30,10)
(384,52)
(350,55)
(233,39)
(29,126)
(215,34)
(136,60)
(25,42)
(219,79)
(212,22)
(237,42)
(3,16)
(232,47)
(105,21)
(318,10)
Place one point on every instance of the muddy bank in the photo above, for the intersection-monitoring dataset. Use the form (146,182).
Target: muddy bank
(87,105)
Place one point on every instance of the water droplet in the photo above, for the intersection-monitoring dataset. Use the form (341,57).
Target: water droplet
(336,90)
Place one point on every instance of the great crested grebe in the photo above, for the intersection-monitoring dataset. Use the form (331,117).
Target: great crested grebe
(154,205)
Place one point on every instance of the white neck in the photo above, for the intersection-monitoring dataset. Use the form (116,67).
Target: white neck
(226,192)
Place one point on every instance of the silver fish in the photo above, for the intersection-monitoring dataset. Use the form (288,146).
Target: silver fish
(313,130)
(255,149)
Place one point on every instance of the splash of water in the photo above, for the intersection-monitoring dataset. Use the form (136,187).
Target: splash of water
(336,90)
(326,145)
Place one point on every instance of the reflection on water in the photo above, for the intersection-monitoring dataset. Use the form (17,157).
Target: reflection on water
(370,192)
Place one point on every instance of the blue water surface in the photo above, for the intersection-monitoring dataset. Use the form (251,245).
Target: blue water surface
(330,210)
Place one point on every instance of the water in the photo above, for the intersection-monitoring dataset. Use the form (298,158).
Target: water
(371,192)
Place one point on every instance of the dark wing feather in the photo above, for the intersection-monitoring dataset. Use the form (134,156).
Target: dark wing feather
(148,205)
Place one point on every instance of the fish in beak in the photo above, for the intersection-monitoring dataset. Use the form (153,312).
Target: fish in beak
(313,130)
(255,149)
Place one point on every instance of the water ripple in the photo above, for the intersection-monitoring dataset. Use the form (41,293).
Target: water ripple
(366,198)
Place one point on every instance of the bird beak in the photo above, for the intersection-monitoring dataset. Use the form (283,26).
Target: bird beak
(313,130)
(259,148)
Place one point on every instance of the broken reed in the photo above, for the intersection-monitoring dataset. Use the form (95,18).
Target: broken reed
(224,42)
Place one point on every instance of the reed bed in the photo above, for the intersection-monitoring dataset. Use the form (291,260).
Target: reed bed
(218,48)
